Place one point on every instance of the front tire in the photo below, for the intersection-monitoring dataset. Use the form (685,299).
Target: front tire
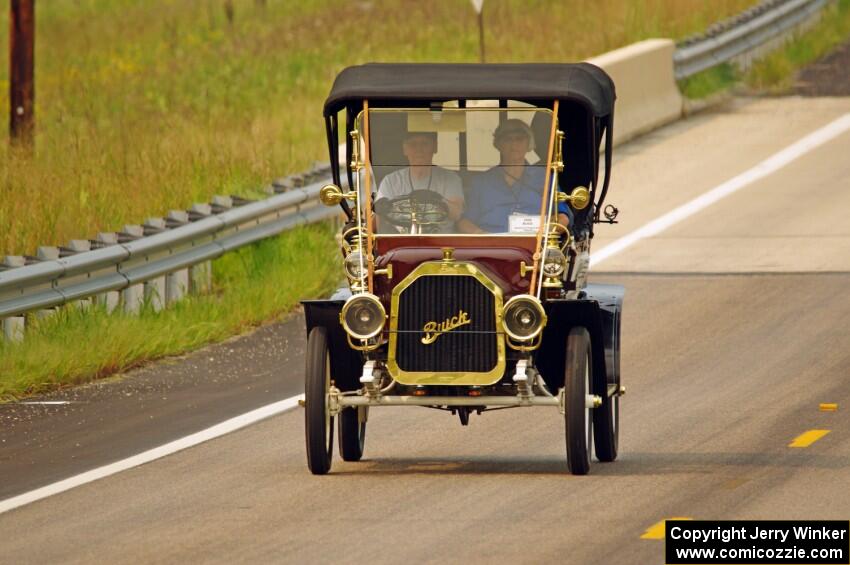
(317,419)
(352,432)
(578,372)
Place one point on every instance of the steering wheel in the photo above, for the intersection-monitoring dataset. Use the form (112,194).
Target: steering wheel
(421,211)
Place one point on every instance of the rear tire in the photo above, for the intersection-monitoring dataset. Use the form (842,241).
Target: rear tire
(352,433)
(578,374)
(317,419)
(606,418)
(606,428)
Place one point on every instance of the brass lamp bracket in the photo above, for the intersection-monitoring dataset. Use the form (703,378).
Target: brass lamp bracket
(356,165)
(579,198)
(558,159)
(331,195)
(388,271)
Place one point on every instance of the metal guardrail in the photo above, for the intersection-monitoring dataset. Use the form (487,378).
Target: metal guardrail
(743,35)
(122,266)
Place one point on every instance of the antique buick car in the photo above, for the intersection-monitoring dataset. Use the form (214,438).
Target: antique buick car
(472,192)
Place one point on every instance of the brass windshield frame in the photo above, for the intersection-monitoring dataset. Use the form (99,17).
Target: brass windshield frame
(367,192)
(362,120)
(544,219)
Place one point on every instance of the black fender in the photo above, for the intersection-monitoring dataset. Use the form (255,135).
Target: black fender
(346,363)
(598,309)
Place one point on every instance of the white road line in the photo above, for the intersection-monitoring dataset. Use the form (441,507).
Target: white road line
(186,442)
(763,169)
(45,403)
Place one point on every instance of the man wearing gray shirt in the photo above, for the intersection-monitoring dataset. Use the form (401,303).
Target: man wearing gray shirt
(419,149)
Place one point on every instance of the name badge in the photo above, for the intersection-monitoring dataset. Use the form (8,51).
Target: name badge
(523,223)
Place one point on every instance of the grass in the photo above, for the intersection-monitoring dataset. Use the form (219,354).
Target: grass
(251,285)
(148,105)
(775,72)
(709,81)
(145,106)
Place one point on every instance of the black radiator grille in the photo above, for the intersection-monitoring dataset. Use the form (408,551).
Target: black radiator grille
(470,347)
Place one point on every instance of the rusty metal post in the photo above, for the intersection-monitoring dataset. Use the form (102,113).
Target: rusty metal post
(22,71)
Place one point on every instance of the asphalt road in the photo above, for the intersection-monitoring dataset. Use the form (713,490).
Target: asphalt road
(735,331)
(128,414)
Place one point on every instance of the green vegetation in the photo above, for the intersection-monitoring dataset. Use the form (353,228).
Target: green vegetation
(775,73)
(251,285)
(149,105)
(709,81)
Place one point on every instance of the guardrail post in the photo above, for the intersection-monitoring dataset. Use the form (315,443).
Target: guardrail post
(155,293)
(200,275)
(78,246)
(282,185)
(319,171)
(45,314)
(12,262)
(200,278)
(176,286)
(46,253)
(109,300)
(13,327)
(176,283)
(133,296)
(176,218)
(221,203)
(155,289)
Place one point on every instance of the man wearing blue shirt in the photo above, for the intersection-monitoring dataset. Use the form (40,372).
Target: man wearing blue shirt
(512,188)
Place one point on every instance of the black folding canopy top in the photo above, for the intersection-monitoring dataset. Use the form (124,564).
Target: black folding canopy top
(582,83)
(585,93)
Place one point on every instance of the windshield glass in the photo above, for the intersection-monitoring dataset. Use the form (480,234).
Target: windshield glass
(457,171)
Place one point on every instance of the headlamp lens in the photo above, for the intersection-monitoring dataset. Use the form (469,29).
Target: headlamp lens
(363,316)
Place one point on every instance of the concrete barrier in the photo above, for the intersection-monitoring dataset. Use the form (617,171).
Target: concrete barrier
(647,94)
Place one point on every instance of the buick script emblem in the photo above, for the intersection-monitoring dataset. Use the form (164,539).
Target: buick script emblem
(433,330)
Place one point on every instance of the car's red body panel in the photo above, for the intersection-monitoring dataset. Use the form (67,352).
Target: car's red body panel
(498,256)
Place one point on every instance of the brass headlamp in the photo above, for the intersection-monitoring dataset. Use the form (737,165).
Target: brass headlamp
(363,316)
(523,318)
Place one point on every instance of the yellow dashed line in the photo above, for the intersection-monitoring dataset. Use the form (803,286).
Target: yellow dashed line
(656,531)
(808,438)
(828,407)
